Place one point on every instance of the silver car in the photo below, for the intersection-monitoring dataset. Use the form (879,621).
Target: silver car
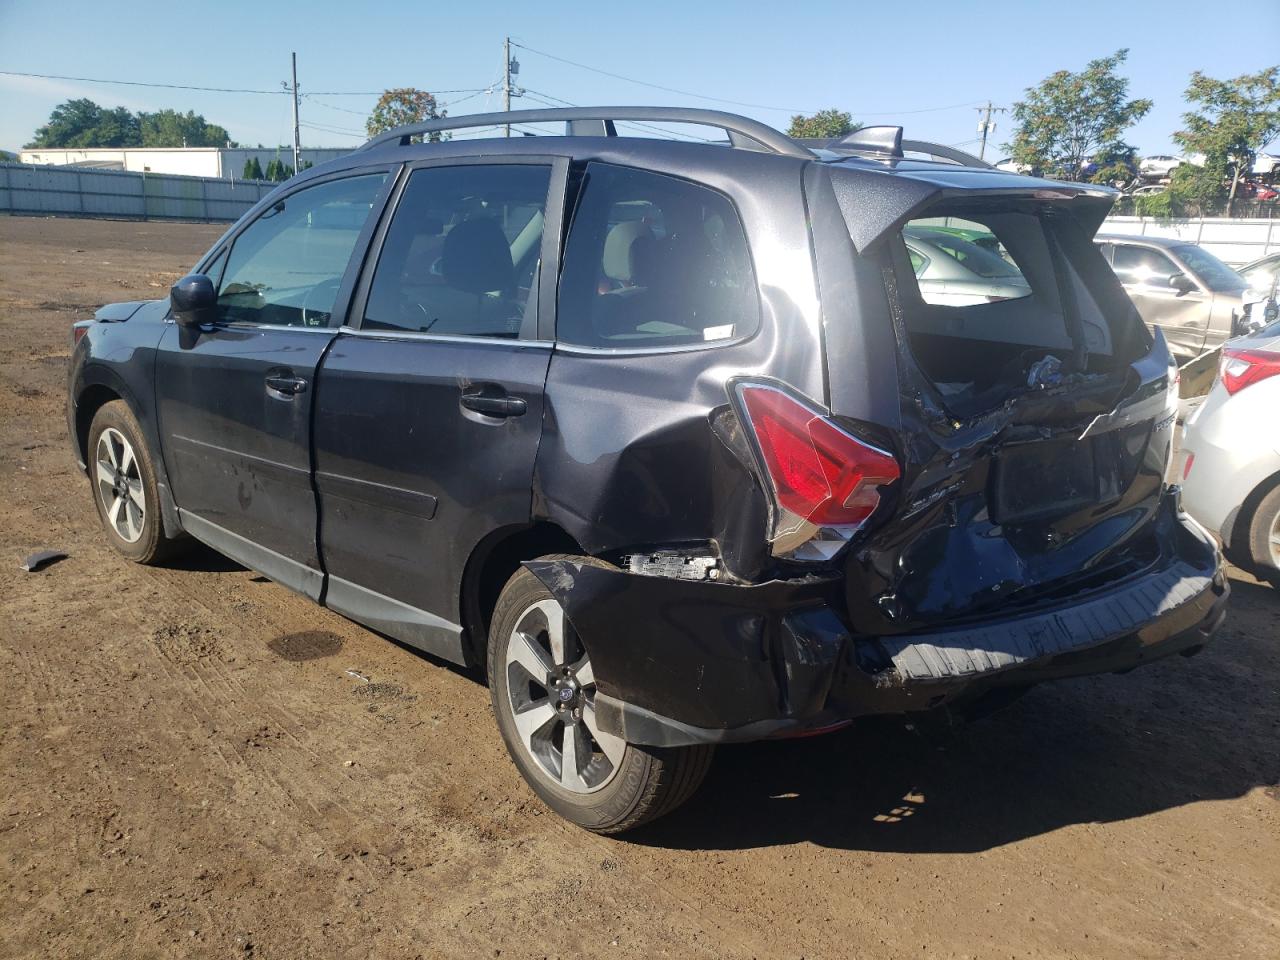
(956,272)
(1231,450)
(1191,295)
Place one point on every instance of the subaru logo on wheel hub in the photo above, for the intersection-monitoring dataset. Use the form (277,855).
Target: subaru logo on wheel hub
(566,694)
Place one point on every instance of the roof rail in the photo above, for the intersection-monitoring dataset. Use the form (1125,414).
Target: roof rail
(599,121)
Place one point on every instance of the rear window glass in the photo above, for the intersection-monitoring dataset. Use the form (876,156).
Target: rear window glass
(653,261)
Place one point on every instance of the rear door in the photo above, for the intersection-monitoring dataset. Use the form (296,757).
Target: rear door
(429,406)
(234,401)
(1183,317)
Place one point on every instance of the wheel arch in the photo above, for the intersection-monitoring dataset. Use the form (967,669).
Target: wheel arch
(491,564)
(1237,548)
(98,388)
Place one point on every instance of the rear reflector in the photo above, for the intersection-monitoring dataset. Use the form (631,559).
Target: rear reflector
(1242,368)
(77,333)
(819,472)
(1186,467)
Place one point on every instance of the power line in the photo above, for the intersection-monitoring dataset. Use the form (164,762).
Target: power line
(183,86)
(548,100)
(738,103)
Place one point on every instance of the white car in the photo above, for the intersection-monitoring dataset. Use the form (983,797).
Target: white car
(1265,163)
(1009,165)
(1231,450)
(1159,167)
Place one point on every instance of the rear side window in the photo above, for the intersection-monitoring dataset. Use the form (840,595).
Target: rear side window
(461,256)
(654,261)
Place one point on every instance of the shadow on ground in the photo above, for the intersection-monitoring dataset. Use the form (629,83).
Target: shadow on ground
(1093,750)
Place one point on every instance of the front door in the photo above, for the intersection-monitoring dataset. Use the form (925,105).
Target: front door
(235,400)
(1181,313)
(429,407)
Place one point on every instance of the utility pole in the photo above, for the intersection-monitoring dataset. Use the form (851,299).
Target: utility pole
(506,80)
(985,126)
(297,144)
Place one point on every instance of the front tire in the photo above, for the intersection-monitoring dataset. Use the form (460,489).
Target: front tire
(123,477)
(542,687)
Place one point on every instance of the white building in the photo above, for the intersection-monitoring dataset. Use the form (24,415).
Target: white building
(224,162)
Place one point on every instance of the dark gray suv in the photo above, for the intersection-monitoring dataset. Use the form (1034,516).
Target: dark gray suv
(665,437)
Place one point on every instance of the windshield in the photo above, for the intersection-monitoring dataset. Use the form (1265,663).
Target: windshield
(1213,273)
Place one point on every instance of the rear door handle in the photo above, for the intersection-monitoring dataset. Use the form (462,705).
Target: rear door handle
(286,383)
(494,406)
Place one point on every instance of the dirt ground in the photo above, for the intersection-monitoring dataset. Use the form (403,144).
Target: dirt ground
(197,763)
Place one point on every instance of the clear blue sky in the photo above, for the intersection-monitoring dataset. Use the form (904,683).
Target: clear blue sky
(884,62)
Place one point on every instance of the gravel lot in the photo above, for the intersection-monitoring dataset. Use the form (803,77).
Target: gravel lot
(199,764)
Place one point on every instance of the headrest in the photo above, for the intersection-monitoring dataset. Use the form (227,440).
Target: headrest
(476,258)
(619,255)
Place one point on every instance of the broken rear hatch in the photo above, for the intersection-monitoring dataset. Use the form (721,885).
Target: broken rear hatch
(1035,416)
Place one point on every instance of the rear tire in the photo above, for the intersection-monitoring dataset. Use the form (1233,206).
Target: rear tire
(122,476)
(1264,538)
(542,688)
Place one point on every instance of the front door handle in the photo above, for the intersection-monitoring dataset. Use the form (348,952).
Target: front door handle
(286,382)
(494,406)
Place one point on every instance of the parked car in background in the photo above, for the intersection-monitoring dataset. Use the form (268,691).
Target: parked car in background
(1148,190)
(677,444)
(955,269)
(1231,451)
(1266,165)
(1159,167)
(1009,165)
(1256,190)
(1194,298)
(1262,299)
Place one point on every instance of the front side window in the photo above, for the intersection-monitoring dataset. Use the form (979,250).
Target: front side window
(1215,274)
(286,267)
(462,254)
(651,261)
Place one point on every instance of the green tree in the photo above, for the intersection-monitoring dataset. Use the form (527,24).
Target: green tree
(401,106)
(828,124)
(278,170)
(82,123)
(1232,121)
(169,128)
(1073,118)
(252,169)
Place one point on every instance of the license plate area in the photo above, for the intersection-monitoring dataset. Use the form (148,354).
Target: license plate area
(1044,478)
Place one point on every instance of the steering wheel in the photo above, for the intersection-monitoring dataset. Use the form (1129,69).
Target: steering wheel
(326,292)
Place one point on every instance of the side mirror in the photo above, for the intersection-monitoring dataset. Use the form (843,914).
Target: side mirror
(1181,283)
(193,301)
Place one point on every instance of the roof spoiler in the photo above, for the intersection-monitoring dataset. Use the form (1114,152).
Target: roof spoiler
(873,210)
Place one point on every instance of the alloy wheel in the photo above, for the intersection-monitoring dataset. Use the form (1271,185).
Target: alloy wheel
(551,692)
(119,484)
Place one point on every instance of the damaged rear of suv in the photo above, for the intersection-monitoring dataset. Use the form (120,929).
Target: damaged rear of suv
(684,443)
(948,488)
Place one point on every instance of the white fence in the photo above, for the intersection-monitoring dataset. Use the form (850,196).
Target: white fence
(81,192)
(1237,241)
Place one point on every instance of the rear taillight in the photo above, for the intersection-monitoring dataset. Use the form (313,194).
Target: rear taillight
(823,478)
(1242,368)
(78,331)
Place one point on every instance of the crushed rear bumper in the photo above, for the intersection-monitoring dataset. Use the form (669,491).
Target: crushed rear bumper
(681,662)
